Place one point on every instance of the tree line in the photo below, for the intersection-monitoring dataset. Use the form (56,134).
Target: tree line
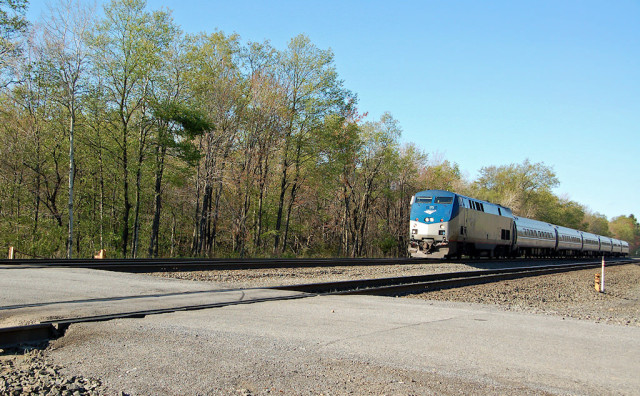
(123,133)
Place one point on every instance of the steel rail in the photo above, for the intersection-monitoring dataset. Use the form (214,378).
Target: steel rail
(47,330)
(199,264)
(369,286)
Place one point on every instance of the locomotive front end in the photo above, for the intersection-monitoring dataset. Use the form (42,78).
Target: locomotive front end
(429,226)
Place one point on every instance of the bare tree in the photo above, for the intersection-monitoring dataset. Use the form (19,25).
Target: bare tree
(64,39)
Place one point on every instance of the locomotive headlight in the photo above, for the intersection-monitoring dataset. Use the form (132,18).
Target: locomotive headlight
(432,219)
(442,226)
(414,231)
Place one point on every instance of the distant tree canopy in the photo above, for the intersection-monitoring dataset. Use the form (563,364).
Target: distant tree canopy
(124,133)
(628,229)
(12,25)
(525,188)
(597,224)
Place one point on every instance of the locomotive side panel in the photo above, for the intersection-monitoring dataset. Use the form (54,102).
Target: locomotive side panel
(487,228)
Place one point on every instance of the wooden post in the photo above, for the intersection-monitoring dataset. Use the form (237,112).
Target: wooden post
(100,254)
(12,253)
(596,283)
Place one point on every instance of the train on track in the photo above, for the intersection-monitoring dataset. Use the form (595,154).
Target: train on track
(444,224)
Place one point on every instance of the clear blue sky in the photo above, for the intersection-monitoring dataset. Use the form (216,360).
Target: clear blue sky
(480,83)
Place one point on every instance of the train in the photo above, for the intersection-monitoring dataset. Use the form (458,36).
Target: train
(445,224)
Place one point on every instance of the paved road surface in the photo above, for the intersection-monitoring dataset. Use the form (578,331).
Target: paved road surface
(329,344)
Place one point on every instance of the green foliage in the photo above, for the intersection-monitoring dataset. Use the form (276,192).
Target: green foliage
(12,16)
(443,175)
(597,224)
(388,245)
(560,211)
(181,124)
(625,228)
(207,146)
(12,23)
(520,187)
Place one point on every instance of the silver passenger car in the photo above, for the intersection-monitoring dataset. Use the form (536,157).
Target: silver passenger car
(590,244)
(534,237)
(625,248)
(606,246)
(569,241)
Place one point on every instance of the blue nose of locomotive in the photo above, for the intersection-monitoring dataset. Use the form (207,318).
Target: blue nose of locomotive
(433,206)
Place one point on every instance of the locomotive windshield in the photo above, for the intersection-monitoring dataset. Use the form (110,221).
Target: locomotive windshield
(443,200)
(423,199)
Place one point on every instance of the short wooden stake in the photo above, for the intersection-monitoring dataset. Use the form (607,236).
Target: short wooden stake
(596,283)
(100,254)
(12,253)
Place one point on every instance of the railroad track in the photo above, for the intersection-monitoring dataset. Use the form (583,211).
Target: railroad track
(47,330)
(143,265)
(199,264)
(408,284)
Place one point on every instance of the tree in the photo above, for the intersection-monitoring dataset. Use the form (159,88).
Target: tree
(64,38)
(560,211)
(217,87)
(363,177)
(597,224)
(440,174)
(128,45)
(177,127)
(627,229)
(12,25)
(257,140)
(517,186)
(404,180)
(312,90)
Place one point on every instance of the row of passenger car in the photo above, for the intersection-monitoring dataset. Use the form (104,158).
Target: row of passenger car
(446,224)
(537,238)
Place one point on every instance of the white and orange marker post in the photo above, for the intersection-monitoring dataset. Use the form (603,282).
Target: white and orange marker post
(602,277)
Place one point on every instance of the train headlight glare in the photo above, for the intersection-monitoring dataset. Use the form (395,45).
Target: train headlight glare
(442,226)
(431,218)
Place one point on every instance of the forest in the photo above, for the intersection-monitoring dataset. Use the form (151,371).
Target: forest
(118,131)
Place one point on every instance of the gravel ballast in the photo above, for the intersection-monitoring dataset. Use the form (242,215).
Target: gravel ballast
(244,278)
(26,371)
(569,294)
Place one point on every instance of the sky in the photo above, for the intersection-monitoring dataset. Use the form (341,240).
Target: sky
(478,83)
